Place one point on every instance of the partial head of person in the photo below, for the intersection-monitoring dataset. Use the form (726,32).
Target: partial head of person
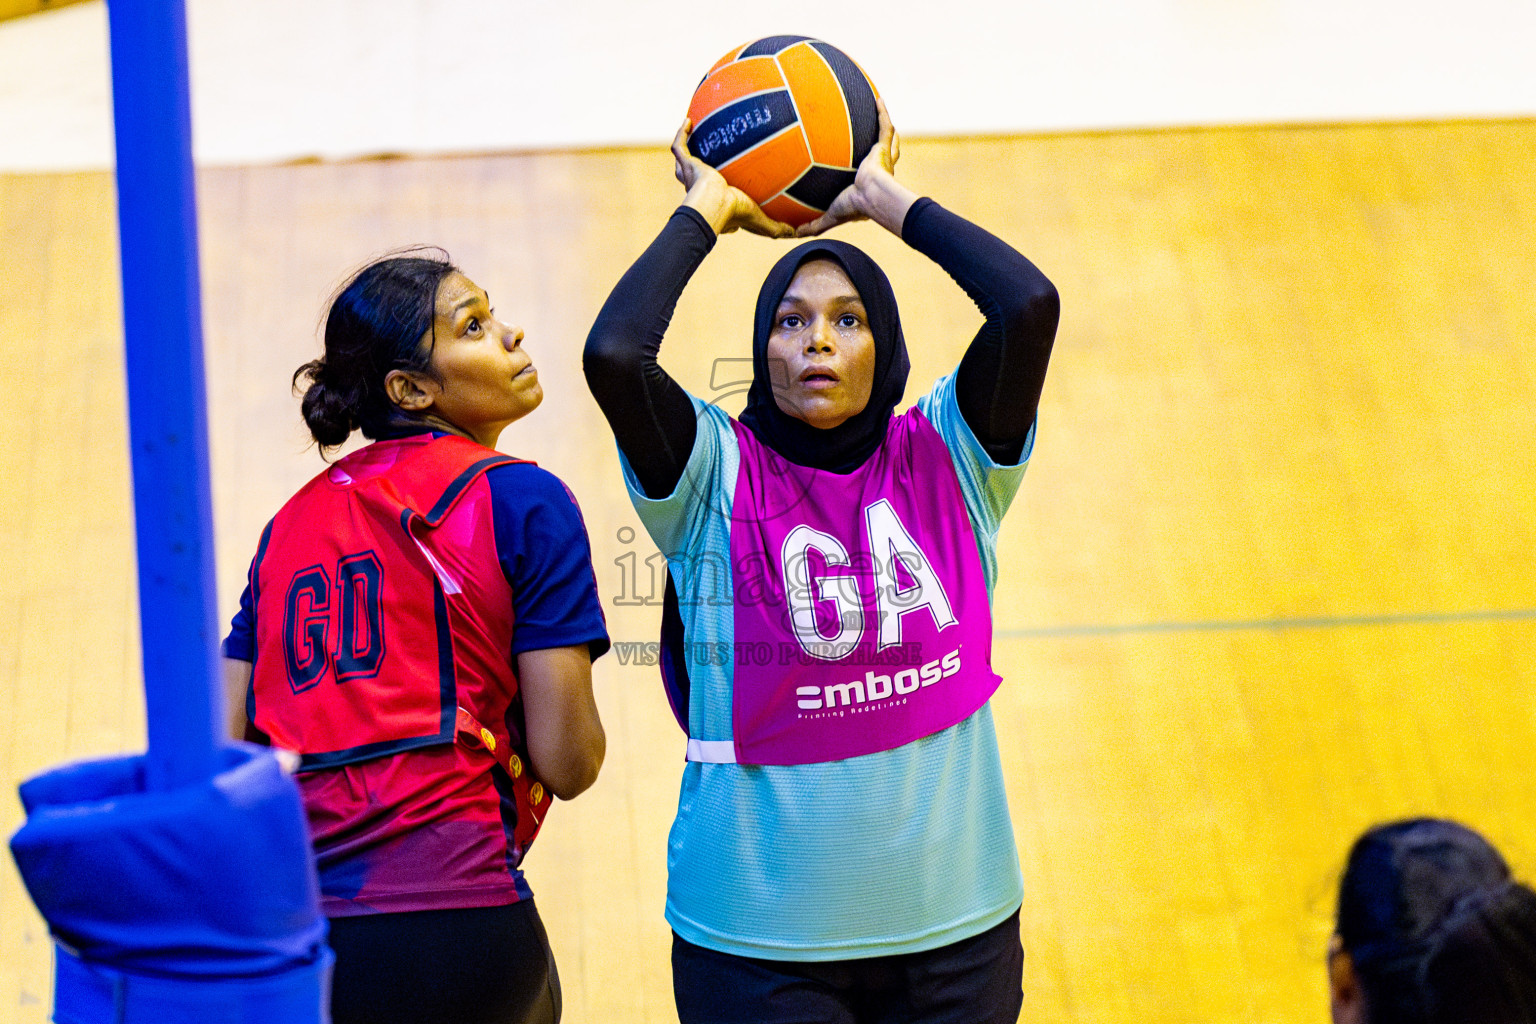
(828,358)
(411,343)
(1432,929)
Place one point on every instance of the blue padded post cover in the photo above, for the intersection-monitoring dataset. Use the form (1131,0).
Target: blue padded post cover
(196,904)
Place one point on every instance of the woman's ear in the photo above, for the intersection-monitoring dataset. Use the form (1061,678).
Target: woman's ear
(406,391)
(1345,996)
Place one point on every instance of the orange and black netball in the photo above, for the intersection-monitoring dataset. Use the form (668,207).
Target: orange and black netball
(786,119)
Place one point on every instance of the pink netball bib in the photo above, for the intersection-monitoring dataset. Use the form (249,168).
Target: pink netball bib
(862,619)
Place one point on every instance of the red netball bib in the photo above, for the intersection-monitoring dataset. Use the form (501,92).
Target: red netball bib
(355,646)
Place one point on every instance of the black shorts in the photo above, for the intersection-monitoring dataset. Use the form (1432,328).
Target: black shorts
(978,980)
(479,965)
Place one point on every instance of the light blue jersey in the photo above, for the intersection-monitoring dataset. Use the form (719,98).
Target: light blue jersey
(893,852)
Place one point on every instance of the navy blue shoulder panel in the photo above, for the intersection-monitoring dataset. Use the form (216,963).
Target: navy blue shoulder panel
(463,480)
(261,552)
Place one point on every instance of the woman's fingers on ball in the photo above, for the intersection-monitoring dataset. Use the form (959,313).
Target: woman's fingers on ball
(765,225)
(811,228)
(759,223)
(889,142)
(841,211)
(748,214)
(681,157)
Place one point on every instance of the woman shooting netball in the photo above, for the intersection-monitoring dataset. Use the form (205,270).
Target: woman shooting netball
(842,849)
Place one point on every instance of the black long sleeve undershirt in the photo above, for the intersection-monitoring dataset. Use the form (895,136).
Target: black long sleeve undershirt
(998,383)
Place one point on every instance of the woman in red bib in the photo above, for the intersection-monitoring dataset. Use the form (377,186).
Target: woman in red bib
(418,627)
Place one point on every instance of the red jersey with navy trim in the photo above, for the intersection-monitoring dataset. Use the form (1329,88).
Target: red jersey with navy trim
(381,623)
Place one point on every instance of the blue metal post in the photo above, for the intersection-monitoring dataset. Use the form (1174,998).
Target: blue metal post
(167,418)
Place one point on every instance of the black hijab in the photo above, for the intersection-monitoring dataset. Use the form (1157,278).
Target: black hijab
(841,449)
(849,445)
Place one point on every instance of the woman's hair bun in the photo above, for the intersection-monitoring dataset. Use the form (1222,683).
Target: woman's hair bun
(375,324)
(328,414)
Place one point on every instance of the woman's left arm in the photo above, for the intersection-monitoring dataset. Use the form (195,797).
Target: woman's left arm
(1002,373)
(566,742)
(557,623)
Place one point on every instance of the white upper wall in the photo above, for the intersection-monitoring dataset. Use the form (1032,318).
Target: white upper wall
(284,79)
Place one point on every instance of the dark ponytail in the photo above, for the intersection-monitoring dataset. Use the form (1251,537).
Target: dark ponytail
(1437,930)
(376,324)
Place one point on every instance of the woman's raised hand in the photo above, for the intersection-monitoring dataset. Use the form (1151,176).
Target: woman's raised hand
(723,205)
(875,193)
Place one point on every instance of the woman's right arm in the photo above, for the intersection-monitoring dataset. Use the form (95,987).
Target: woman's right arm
(237,680)
(239,651)
(651,416)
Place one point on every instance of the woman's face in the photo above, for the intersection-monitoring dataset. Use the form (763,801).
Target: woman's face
(485,378)
(821,352)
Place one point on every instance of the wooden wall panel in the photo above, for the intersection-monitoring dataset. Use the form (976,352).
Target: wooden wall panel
(1269,579)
